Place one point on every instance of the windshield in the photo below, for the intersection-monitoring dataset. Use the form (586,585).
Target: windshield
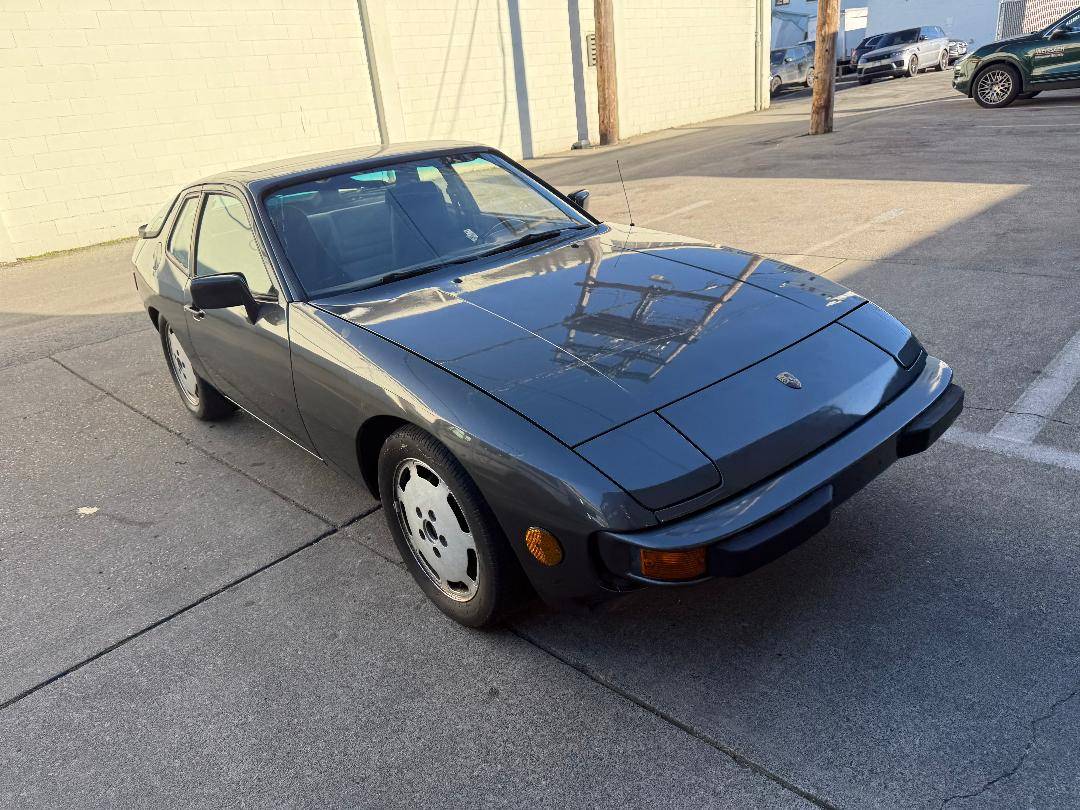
(899,38)
(349,230)
(869,42)
(778,57)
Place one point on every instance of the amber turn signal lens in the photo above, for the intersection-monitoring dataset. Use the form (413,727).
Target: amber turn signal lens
(543,545)
(673,565)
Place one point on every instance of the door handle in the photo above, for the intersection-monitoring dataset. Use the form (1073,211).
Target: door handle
(196,314)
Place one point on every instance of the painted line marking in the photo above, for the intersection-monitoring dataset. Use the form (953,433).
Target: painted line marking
(1023,126)
(888,216)
(686,209)
(1040,453)
(1029,413)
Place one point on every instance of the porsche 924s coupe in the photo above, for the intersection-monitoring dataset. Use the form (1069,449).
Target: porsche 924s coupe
(541,401)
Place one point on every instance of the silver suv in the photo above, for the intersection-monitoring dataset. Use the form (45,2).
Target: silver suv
(905,53)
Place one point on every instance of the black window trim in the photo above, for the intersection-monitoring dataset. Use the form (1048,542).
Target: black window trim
(274,296)
(181,200)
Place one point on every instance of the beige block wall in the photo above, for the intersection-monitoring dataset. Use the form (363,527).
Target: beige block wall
(692,62)
(495,72)
(112,105)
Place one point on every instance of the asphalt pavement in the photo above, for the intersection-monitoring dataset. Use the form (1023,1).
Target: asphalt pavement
(204,615)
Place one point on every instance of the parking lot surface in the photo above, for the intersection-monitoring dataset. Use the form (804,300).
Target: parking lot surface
(202,614)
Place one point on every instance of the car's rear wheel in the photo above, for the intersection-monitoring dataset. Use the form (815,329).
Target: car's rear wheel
(201,399)
(943,62)
(996,86)
(445,531)
(865,80)
(913,67)
(810,78)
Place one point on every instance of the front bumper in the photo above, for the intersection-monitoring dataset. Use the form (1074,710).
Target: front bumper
(770,519)
(886,67)
(962,75)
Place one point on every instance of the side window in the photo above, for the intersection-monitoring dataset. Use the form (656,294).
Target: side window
(227,244)
(938,33)
(180,238)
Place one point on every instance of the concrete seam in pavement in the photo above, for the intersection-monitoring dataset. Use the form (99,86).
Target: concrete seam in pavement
(15,365)
(1020,760)
(194,446)
(1020,413)
(181,611)
(738,758)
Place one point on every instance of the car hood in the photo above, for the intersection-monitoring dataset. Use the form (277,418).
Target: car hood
(582,336)
(882,53)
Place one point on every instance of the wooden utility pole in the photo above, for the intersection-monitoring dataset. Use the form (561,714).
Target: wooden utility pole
(821,108)
(606,83)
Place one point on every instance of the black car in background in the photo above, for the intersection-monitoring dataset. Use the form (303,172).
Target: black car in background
(864,47)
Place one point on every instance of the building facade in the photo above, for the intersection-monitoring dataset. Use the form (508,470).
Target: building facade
(1023,16)
(113,104)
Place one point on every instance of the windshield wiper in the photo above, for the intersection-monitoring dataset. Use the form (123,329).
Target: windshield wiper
(409,272)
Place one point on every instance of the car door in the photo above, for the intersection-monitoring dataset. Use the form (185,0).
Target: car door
(172,265)
(1058,58)
(250,363)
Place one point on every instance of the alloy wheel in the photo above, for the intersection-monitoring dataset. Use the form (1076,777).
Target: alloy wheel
(913,66)
(437,531)
(181,369)
(995,86)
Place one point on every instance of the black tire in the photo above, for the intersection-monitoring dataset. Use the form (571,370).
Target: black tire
(943,62)
(1026,96)
(865,80)
(912,68)
(996,86)
(203,402)
(497,581)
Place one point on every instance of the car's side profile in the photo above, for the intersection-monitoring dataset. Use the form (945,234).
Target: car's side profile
(905,53)
(792,66)
(541,401)
(998,74)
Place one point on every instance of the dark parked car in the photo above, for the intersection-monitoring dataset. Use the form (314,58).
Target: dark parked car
(864,47)
(537,398)
(905,53)
(997,74)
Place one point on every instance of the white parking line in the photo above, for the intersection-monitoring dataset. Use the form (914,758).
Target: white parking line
(1028,415)
(678,212)
(1024,126)
(889,215)
(1014,449)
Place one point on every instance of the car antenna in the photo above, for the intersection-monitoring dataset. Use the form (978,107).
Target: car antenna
(626,196)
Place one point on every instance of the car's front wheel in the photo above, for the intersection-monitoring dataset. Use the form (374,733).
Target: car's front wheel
(201,399)
(997,86)
(445,531)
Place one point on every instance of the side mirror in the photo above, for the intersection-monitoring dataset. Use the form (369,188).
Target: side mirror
(580,198)
(1060,33)
(223,291)
(789,59)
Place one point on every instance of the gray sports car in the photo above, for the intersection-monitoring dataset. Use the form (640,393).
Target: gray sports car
(543,402)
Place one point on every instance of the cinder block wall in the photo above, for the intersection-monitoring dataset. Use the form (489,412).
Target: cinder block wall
(112,105)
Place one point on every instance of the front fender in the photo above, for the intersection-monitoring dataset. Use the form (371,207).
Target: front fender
(345,375)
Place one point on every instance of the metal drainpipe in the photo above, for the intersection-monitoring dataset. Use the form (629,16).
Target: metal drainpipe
(373,72)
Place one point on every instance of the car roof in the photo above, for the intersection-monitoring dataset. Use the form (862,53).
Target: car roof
(321,162)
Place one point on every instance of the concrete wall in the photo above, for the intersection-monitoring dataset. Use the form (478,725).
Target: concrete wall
(693,62)
(110,109)
(112,104)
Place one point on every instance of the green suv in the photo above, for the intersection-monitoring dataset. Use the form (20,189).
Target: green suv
(997,74)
